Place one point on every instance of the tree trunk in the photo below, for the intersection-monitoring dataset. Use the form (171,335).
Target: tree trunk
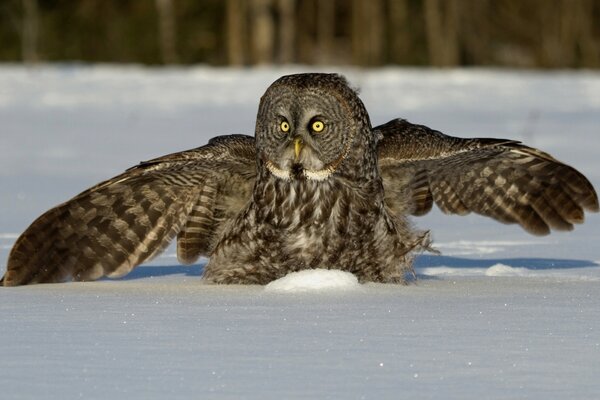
(399,33)
(441,21)
(578,34)
(167,31)
(476,31)
(236,34)
(325,32)
(30,31)
(367,32)
(263,32)
(376,30)
(287,30)
(307,15)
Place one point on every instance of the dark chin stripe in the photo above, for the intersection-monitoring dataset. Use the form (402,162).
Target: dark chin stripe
(297,171)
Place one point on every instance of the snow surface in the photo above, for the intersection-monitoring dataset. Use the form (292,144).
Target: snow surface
(500,314)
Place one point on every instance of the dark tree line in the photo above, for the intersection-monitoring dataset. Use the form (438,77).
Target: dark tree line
(521,33)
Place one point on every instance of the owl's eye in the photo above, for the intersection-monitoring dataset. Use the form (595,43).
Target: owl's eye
(285,126)
(317,126)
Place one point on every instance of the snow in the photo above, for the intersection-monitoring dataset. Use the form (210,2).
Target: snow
(314,280)
(506,270)
(500,314)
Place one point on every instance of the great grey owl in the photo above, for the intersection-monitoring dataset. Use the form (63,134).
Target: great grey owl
(317,187)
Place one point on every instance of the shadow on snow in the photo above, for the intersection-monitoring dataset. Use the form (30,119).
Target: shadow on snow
(149,271)
(422,261)
(429,261)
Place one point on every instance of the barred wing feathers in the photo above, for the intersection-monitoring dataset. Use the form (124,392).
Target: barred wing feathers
(114,226)
(497,178)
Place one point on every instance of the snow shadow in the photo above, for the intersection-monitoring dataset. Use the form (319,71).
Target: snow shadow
(430,261)
(422,261)
(149,271)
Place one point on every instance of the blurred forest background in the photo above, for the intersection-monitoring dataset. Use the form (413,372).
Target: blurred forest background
(515,33)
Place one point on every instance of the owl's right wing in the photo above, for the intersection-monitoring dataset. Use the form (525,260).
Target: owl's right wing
(120,223)
(497,178)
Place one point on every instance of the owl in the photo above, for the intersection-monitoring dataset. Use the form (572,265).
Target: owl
(316,187)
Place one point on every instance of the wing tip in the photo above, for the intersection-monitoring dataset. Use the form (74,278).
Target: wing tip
(537,230)
(592,206)
(9,281)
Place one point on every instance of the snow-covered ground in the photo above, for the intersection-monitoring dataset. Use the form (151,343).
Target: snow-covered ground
(500,314)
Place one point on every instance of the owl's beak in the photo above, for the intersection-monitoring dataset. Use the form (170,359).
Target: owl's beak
(298,143)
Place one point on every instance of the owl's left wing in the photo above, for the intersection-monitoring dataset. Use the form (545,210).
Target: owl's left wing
(497,178)
(118,224)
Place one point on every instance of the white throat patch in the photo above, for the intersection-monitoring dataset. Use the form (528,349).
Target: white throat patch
(318,175)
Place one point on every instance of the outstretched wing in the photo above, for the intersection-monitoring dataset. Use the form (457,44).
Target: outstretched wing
(124,221)
(501,179)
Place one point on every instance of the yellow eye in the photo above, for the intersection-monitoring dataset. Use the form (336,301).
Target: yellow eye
(317,126)
(285,126)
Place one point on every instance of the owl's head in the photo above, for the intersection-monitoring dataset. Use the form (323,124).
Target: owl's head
(311,126)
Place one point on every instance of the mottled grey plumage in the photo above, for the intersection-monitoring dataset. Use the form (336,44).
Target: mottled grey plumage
(316,187)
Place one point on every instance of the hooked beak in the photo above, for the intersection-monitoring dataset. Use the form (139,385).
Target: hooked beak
(298,143)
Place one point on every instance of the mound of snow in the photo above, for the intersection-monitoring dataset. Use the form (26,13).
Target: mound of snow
(314,279)
(505,270)
(494,270)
